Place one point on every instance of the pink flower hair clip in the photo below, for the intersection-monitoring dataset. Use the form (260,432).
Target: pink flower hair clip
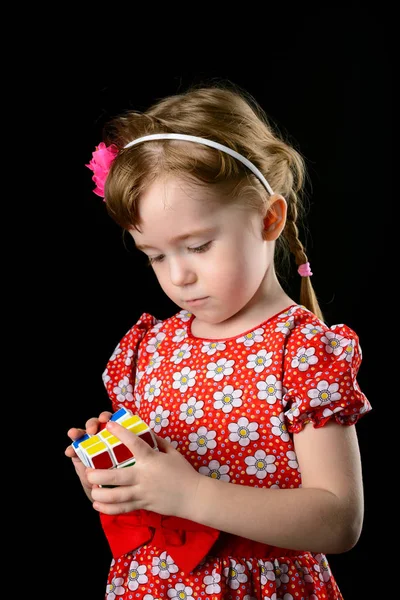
(100,164)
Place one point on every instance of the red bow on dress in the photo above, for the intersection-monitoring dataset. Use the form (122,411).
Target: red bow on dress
(185,541)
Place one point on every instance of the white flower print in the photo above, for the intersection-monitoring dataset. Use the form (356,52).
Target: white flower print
(211,348)
(184,315)
(328,413)
(270,389)
(315,376)
(105,377)
(136,575)
(322,567)
(243,431)
(304,359)
(227,399)
(128,359)
(292,462)
(158,418)
(285,326)
(294,410)
(138,400)
(348,352)
(201,440)
(220,369)
(235,574)
(259,361)
(290,311)
(212,582)
(154,362)
(324,393)
(163,566)
(310,330)
(153,344)
(181,592)
(173,443)
(181,353)
(180,335)
(124,390)
(115,588)
(273,597)
(305,574)
(215,471)
(139,375)
(334,342)
(117,351)
(279,427)
(281,570)
(267,571)
(364,408)
(250,338)
(152,389)
(191,410)
(184,379)
(260,464)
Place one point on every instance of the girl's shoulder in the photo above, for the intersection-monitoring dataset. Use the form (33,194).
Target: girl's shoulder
(320,368)
(145,335)
(149,326)
(302,324)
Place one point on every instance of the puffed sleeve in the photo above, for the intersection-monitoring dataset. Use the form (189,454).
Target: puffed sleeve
(320,376)
(119,375)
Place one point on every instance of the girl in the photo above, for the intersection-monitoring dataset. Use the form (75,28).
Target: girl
(252,396)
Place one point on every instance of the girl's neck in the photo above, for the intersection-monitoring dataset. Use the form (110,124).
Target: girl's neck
(267,302)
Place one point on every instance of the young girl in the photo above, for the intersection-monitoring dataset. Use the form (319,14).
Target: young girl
(253,398)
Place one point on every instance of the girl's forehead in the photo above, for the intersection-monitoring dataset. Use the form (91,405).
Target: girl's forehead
(172,198)
(173,208)
(171,191)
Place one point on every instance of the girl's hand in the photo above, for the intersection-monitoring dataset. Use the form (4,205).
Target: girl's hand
(163,482)
(92,427)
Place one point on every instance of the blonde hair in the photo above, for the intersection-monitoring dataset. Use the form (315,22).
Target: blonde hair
(224,114)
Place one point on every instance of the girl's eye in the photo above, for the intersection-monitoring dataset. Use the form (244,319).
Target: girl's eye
(196,250)
(202,248)
(154,260)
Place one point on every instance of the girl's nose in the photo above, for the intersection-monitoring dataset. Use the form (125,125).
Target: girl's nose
(181,273)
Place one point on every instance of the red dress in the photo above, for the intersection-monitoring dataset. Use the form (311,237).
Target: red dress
(231,408)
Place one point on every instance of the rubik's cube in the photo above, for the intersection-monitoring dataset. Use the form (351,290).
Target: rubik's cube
(105,451)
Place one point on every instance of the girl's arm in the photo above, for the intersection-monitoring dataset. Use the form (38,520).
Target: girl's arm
(324,515)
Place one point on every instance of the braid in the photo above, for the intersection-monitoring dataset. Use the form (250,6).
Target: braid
(291,233)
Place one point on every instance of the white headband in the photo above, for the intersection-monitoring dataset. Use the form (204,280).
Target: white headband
(205,142)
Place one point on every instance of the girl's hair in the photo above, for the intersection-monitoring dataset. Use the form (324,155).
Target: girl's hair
(225,114)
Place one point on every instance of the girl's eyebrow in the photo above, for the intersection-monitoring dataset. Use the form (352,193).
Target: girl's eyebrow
(180,238)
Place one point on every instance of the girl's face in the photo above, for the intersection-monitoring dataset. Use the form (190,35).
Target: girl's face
(209,257)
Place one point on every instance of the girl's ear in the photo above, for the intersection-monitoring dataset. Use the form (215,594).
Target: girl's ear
(275,219)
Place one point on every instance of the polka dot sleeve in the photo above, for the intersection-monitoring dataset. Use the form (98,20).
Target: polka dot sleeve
(120,373)
(321,366)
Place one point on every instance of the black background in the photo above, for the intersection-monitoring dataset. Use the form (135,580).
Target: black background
(323,75)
